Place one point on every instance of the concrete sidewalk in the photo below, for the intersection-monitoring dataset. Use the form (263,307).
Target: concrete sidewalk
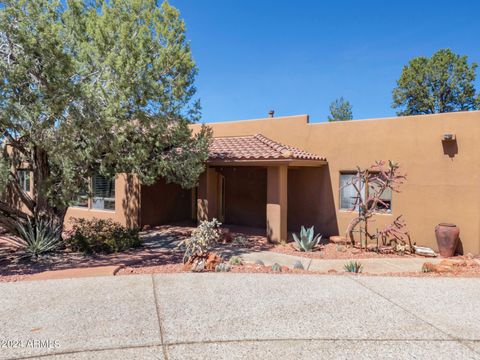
(241,316)
(371,266)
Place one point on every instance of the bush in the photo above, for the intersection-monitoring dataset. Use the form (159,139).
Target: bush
(204,237)
(102,236)
(235,260)
(39,237)
(222,267)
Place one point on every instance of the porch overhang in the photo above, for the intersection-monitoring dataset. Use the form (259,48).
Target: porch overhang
(266,163)
(253,150)
(257,151)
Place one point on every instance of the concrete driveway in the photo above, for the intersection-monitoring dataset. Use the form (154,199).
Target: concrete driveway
(241,316)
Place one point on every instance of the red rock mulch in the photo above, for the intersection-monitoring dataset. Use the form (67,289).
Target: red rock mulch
(150,260)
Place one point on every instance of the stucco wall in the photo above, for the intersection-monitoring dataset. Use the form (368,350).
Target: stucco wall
(164,203)
(245,195)
(443,180)
(311,200)
(126,204)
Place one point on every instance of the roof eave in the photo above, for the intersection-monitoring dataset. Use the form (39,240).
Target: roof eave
(267,162)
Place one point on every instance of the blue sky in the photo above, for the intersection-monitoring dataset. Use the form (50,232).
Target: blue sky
(297,56)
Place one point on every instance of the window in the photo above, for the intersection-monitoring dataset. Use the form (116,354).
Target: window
(386,198)
(348,194)
(103,193)
(24,179)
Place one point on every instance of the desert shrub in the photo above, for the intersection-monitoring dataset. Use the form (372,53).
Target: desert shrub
(235,260)
(222,267)
(39,237)
(102,236)
(428,267)
(240,240)
(353,267)
(204,237)
(306,240)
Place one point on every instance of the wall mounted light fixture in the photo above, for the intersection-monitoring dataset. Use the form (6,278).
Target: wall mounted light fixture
(448,137)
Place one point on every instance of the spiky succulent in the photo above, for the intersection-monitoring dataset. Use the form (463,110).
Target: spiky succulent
(39,237)
(276,268)
(307,240)
(353,267)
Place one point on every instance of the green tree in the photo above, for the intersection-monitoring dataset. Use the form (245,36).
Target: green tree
(340,110)
(442,83)
(90,87)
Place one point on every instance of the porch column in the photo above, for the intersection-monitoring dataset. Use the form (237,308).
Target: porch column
(207,195)
(277,203)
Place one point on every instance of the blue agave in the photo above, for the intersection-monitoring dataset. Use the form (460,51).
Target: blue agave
(306,241)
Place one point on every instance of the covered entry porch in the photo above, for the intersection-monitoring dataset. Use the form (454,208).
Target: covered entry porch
(246,183)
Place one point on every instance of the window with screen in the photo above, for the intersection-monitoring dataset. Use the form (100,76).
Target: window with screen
(24,179)
(348,194)
(103,193)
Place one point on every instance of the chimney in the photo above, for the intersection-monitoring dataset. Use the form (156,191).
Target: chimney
(271,113)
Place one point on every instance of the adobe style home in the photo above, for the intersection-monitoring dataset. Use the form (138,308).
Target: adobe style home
(279,173)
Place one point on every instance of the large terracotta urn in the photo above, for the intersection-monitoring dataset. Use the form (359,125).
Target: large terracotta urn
(447,238)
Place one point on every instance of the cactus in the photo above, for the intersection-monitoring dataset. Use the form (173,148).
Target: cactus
(353,267)
(298,265)
(306,240)
(276,268)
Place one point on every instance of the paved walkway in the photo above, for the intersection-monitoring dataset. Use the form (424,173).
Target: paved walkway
(372,266)
(241,316)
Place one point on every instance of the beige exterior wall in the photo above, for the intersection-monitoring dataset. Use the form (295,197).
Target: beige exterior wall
(127,194)
(443,182)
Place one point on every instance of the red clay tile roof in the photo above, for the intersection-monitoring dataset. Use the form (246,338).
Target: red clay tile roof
(255,147)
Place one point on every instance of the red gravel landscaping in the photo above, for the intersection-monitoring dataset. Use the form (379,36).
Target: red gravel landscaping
(161,255)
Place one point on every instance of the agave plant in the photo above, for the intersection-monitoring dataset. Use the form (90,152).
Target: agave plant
(353,267)
(306,240)
(39,237)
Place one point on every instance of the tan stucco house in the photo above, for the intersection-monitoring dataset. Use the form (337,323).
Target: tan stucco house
(279,173)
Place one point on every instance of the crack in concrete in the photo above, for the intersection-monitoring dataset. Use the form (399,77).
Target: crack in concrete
(159,318)
(453,337)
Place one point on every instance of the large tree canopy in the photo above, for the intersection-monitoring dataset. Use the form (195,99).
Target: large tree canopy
(94,86)
(442,83)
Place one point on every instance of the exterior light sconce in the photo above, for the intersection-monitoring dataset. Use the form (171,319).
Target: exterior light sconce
(448,137)
(449,144)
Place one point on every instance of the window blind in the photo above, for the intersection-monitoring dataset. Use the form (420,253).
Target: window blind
(103,193)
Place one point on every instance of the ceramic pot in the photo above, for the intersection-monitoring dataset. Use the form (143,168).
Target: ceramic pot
(447,238)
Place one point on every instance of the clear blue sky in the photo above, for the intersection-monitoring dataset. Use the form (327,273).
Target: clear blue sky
(298,56)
